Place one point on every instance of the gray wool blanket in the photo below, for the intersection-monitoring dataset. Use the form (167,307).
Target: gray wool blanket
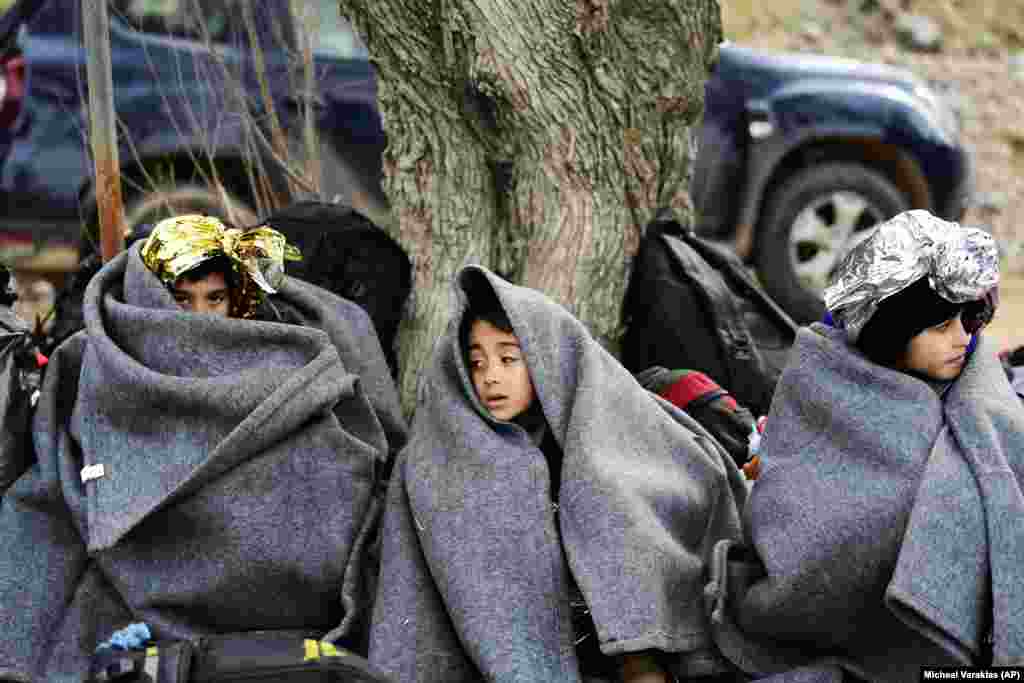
(886,523)
(232,470)
(474,578)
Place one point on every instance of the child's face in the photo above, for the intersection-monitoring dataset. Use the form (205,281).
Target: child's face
(940,351)
(499,372)
(206,295)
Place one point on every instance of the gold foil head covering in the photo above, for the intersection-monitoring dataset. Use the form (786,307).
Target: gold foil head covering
(961,263)
(179,244)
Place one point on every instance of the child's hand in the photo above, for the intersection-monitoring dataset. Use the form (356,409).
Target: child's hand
(752,468)
(641,667)
(708,403)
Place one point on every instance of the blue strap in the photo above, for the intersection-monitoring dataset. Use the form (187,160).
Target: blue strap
(131,637)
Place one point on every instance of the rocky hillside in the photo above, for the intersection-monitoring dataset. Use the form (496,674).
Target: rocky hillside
(974,46)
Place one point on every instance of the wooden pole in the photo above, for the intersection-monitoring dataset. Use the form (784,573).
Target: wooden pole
(103,127)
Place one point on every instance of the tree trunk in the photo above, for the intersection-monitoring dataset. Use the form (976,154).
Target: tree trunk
(536,137)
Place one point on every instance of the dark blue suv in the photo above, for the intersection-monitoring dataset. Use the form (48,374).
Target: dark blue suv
(203,117)
(799,155)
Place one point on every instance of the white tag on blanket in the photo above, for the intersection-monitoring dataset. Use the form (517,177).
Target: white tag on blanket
(92,472)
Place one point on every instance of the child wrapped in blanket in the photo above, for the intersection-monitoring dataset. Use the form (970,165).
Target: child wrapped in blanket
(884,534)
(199,468)
(550,520)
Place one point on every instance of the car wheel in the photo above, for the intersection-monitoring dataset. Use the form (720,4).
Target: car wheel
(152,206)
(811,222)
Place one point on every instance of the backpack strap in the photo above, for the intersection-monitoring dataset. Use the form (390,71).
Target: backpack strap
(732,268)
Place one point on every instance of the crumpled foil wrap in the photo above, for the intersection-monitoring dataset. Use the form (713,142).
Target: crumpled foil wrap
(179,244)
(961,264)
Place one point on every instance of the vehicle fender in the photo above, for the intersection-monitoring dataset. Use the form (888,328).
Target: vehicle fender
(816,111)
(164,145)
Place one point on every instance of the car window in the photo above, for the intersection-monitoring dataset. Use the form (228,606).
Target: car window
(201,20)
(332,35)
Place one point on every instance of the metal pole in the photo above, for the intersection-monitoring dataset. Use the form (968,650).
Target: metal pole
(103,127)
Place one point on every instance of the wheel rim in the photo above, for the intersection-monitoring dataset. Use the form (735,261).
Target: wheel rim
(825,231)
(187,199)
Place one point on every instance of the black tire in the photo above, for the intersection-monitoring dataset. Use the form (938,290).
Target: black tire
(846,200)
(150,206)
(163,202)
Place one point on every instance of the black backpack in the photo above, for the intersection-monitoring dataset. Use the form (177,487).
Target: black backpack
(259,656)
(20,376)
(691,304)
(345,253)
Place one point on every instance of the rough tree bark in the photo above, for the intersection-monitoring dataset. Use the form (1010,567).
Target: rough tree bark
(536,137)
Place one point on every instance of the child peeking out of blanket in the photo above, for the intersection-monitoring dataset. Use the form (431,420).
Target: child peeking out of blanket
(884,534)
(211,268)
(502,382)
(550,519)
(919,331)
(206,288)
(202,474)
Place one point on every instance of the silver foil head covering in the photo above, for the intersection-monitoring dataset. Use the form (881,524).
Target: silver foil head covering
(961,263)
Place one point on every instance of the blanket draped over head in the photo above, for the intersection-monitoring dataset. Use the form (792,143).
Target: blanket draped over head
(474,580)
(887,518)
(228,469)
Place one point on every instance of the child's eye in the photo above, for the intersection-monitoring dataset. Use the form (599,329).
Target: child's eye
(217,298)
(508,360)
(476,364)
(181,298)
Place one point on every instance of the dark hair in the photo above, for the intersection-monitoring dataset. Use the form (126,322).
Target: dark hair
(900,318)
(492,314)
(218,264)
(345,253)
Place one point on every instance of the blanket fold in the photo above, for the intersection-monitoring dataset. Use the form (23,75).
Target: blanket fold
(959,575)
(474,580)
(197,473)
(880,528)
